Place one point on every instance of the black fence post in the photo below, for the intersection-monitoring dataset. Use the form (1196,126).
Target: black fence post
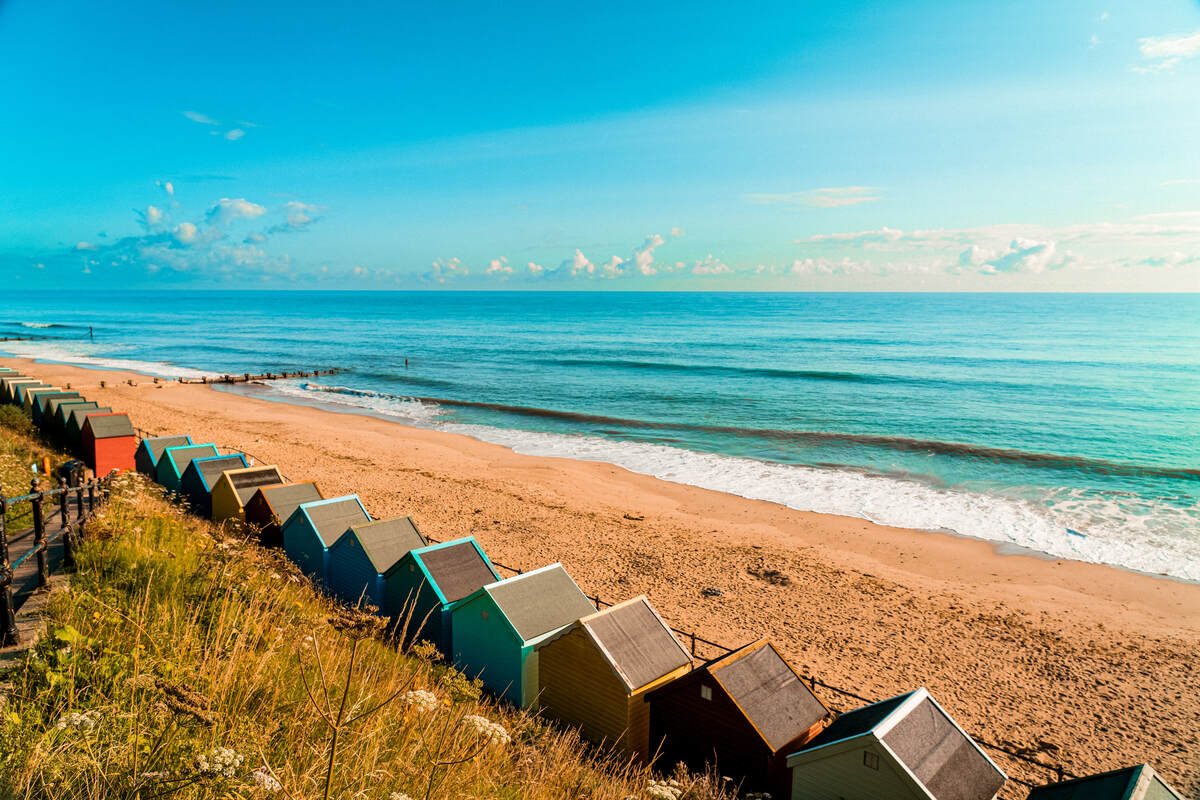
(693,644)
(39,533)
(8,622)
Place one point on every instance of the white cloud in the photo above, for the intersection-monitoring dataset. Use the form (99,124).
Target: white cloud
(828,197)
(578,265)
(1164,52)
(536,269)
(710,265)
(185,233)
(234,134)
(86,246)
(677,233)
(299,215)
(499,266)
(227,210)
(153,215)
(196,116)
(444,269)
(643,259)
(1026,255)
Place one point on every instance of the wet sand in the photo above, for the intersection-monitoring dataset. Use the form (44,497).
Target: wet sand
(1083,665)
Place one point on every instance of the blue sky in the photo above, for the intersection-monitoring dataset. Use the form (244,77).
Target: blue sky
(778,146)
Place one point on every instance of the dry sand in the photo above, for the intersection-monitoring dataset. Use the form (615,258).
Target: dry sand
(1082,665)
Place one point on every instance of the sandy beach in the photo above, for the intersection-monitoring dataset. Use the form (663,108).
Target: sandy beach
(1087,666)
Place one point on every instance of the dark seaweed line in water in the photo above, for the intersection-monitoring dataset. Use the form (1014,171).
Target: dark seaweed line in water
(899,443)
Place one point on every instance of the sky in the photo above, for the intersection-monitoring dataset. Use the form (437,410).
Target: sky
(1031,145)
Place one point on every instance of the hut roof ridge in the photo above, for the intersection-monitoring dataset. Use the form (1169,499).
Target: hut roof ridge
(623,653)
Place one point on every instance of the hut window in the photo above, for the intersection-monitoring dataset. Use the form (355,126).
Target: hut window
(870,759)
(705,692)
(483,613)
(412,567)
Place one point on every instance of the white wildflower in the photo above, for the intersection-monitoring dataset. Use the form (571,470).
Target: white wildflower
(264,780)
(420,699)
(483,727)
(219,762)
(85,722)
(665,790)
(275,576)
(398,796)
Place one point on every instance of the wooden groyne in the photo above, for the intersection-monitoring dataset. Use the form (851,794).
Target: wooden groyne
(269,376)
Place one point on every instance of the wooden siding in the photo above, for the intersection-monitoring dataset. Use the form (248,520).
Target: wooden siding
(304,547)
(577,686)
(352,576)
(406,591)
(106,455)
(488,648)
(844,776)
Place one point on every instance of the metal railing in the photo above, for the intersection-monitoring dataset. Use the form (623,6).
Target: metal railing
(95,491)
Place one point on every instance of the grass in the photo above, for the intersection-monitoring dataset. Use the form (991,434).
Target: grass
(187,661)
(20,447)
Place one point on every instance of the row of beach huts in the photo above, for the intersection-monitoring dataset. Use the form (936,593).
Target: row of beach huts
(618,674)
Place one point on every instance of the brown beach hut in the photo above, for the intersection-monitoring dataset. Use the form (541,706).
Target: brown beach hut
(235,487)
(108,443)
(30,395)
(745,712)
(595,673)
(76,418)
(150,450)
(905,748)
(1140,782)
(271,506)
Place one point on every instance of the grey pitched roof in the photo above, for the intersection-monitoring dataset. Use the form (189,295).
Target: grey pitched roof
(386,541)
(769,693)
(110,426)
(158,444)
(458,569)
(246,482)
(332,519)
(637,642)
(857,722)
(540,601)
(78,415)
(943,758)
(1138,782)
(63,415)
(211,468)
(183,456)
(284,500)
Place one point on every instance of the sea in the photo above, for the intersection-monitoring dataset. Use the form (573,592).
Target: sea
(1064,424)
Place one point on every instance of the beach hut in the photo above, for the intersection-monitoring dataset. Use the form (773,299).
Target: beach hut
(197,480)
(108,443)
(595,673)
(174,462)
(77,417)
(13,386)
(314,527)
(496,630)
(63,413)
(1140,782)
(150,450)
(50,412)
(271,506)
(25,388)
(30,395)
(744,712)
(41,402)
(235,487)
(906,748)
(360,561)
(427,582)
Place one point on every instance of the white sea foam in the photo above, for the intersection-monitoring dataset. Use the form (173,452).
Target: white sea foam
(37,324)
(399,408)
(1106,532)
(85,354)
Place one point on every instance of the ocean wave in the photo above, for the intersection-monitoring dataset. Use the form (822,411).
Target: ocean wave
(719,369)
(97,356)
(1103,529)
(392,406)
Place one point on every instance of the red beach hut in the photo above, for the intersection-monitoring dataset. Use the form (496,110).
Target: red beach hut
(108,442)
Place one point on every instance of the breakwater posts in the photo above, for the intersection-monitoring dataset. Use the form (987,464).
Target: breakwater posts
(269,376)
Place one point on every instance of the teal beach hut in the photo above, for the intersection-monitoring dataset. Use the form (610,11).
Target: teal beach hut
(174,462)
(426,583)
(197,480)
(150,450)
(42,401)
(360,561)
(1140,782)
(496,630)
(77,416)
(315,527)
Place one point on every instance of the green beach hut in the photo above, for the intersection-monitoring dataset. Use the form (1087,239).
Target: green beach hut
(314,527)
(905,748)
(360,561)
(75,419)
(1140,782)
(50,417)
(198,479)
(174,462)
(31,396)
(62,414)
(427,582)
(150,450)
(23,390)
(41,404)
(495,631)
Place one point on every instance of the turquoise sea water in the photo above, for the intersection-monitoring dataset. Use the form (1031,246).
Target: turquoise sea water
(1069,424)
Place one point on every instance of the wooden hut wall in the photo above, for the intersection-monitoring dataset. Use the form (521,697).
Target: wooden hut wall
(195,485)
(108,443)
(24,388)
(49,420)
(577,685)
(854,771)
(8,388)
(315,526)
(31,397)
(271,507)
(352,577)
(235,487)
(150,450)
(486,647)
(174,461)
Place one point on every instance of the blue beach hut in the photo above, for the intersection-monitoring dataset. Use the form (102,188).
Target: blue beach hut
(315,527)
(361,561)
(174,462)
(496,630)
(427,582)
(195,485)
(150,450)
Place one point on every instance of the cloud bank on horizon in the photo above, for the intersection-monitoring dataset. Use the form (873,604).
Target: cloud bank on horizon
(804,150)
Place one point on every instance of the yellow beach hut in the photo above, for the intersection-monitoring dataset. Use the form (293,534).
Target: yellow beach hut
(235,487)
